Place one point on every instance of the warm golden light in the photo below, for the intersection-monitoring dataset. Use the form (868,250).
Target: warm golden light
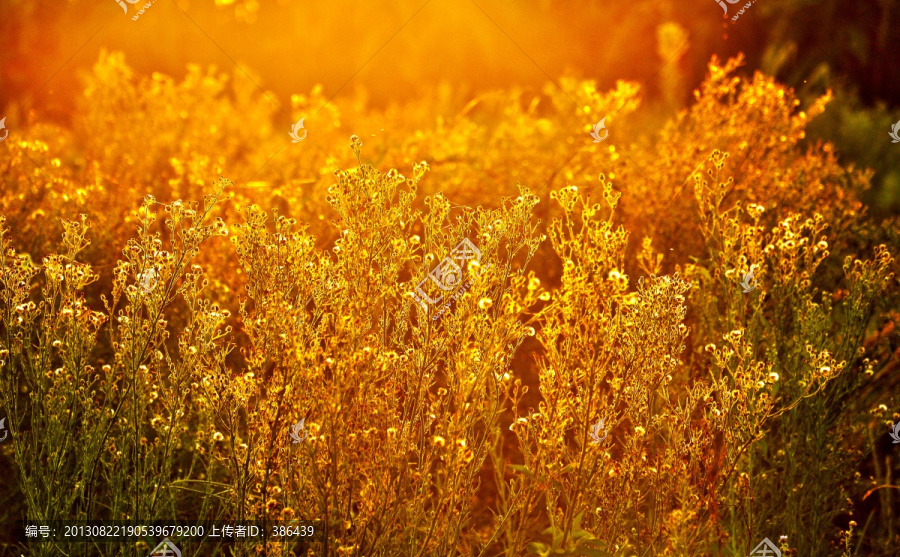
(432,278)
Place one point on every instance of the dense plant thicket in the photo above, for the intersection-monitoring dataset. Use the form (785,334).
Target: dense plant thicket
(156,353)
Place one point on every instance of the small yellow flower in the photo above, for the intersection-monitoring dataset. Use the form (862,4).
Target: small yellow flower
(439,441)
(639,431)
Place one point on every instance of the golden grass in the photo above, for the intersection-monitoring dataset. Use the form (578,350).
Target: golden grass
(162,379)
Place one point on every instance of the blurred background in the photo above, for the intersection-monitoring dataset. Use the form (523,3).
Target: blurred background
(388,52)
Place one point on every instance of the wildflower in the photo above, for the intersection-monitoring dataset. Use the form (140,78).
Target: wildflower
(639,431)
(217,436)
(439,441)
(485,303)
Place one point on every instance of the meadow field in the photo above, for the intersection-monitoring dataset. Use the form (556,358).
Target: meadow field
(451,318)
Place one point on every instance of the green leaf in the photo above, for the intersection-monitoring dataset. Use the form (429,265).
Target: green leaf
(523,470)
(591,542)
(577,524)
(537,548)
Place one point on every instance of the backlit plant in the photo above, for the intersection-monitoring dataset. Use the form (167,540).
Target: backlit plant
(155,359)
